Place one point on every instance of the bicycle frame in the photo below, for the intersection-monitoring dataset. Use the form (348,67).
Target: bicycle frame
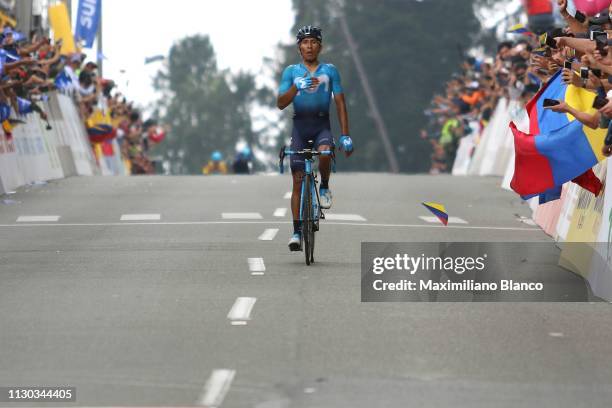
(309,155)
(309,221)
(316,204)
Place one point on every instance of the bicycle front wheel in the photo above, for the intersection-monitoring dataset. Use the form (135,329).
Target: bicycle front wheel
(307,220)
(314,219)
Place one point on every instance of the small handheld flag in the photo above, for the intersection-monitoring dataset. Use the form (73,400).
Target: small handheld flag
(519,29)
(438,210)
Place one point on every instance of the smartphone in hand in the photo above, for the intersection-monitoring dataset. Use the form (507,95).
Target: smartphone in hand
(550,41)
(602,43)
(550,102)
(584,73)
(599,102)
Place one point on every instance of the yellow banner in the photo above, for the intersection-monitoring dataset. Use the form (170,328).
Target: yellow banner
(6,20)
(60,24)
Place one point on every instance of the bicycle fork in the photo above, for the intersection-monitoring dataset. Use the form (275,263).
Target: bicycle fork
(316,206)
(307,173)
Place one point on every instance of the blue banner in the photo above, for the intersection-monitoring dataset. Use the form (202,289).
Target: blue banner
(88,18)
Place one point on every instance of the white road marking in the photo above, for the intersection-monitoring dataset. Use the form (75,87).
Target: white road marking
(280,212)
(216,388)
(527,221)
(287,195)
(257,266)
(38,218)
(451,220)
(344,217)
(202,223)
(268,234)
(240,313)
(140,217)
(556,334)
(241,216)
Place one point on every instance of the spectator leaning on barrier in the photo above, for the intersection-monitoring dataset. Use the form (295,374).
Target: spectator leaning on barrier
(517,72)
(32,67)
(588,44)
(71,69)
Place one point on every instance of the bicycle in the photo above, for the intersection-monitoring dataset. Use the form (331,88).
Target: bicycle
(313,214)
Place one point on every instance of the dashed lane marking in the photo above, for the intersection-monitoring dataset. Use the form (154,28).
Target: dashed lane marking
(344,217)
(240,313)
(280,212)
(451,220)
(216,388)
(38,218)
(241,216)
(140,217)
(257,266)
(269,234)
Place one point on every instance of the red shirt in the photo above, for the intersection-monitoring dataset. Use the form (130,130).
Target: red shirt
(538,6)
(107,148)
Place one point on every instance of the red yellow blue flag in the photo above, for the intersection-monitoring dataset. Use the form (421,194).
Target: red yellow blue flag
(519,29)
(558,148)
(438,210)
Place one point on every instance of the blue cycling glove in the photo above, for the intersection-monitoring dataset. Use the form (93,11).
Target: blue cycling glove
(346,143)
(302,83)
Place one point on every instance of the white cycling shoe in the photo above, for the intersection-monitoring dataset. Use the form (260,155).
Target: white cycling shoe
(295,243)
(325,196)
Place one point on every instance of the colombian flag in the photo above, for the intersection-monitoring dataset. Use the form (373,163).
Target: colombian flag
(99,126)
(101,132)
(519,29)
(438,210)
(558,148)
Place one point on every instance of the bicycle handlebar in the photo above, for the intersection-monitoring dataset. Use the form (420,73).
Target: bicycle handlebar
(288,152)
(306,151)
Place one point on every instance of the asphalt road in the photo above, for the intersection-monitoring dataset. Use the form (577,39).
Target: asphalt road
(138,312)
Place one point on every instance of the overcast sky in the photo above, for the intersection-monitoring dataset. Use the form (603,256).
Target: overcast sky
(242,33)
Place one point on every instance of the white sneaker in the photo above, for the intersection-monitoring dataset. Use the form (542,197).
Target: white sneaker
(326,198)
(295,242)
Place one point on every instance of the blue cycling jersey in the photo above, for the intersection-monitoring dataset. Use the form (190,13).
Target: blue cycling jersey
(312,100)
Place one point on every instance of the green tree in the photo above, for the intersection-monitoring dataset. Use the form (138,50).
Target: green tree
(409,50)
(207,108)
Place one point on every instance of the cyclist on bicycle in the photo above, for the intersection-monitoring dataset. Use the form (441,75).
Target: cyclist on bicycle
(309,86)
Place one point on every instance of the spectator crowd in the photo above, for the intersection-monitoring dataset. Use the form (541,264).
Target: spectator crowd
(33,66)
(517,72)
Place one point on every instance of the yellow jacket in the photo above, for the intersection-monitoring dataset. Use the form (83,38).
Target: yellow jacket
(215,168)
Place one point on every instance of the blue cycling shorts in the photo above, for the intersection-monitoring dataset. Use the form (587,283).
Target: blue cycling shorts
(309,132)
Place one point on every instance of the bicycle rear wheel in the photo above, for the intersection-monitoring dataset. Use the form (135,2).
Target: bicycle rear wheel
(307,220)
